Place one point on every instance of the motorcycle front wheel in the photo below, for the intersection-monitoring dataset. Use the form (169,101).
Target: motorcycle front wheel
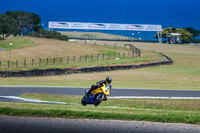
(99,99)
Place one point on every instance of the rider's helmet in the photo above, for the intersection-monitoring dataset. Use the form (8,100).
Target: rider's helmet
(108,80)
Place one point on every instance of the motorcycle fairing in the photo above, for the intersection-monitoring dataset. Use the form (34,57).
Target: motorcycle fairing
(91,99)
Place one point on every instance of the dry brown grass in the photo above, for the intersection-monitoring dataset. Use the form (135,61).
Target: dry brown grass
(166,48)
(141,78)
(92,35)
(50,48)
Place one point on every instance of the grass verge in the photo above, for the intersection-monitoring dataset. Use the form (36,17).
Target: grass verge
(17,42)
(159,110)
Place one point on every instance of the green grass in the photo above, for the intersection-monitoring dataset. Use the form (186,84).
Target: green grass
(16,43)
(159,110)
(88,36)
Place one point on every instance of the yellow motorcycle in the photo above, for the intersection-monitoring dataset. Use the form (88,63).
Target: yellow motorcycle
(96,96)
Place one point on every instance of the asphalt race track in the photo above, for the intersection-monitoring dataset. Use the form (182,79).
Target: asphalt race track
(15,124)
(115,93)
(16,91)
(62,125)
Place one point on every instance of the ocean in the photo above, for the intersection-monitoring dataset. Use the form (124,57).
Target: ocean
(168,13)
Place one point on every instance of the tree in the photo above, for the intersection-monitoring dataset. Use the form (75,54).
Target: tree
(26,21)
(185,37)
(193,31)
(7,26)
(37,28)
(49,34)
(23,23)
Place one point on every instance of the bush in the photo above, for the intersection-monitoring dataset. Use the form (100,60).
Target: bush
(196,40)
(49,34)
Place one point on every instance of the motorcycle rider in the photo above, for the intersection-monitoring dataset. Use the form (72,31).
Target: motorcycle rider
(107,81)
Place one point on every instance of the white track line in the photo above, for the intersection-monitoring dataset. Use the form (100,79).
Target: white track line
(35,101)
(47,102)
(116,97)
(146,97)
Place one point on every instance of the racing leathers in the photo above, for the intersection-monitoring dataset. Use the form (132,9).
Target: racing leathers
(99,84)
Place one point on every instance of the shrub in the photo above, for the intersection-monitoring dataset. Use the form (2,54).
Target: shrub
(49,34)
(196,40)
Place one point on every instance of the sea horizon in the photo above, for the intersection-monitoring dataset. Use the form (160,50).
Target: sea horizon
(168,13)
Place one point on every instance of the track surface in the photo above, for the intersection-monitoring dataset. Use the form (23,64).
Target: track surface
(60,125)
(16,91)
(14,124)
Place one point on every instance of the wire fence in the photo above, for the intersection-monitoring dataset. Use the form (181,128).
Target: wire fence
(63,60)
(35,63)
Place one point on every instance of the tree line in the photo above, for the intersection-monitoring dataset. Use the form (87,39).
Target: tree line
(25,24)
(187,34)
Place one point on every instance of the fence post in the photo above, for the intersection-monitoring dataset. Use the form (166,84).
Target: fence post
(103,56)
(0,64)
(119,55)
(86,58)
(92,58)
(32,62)
(104,44)
(8,63)
(139,53)
(74,59)
(115,45)
(108,56)
(54,61)
(97,57)
(80,59)
(128,54)
(60,60)
(67,59)
(25,63)
(136,52)
(124,55)
(40,62)
(47,61)
(16,64)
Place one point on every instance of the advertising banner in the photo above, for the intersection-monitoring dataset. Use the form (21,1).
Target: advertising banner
(103,26)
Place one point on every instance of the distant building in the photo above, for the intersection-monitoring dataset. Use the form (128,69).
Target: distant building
(174,38)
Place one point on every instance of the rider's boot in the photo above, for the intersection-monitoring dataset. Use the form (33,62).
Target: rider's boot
(93,87)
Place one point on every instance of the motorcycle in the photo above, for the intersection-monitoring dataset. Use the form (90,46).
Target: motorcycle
(96,96)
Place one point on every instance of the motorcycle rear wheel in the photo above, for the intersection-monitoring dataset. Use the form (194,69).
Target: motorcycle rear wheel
(83,100)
